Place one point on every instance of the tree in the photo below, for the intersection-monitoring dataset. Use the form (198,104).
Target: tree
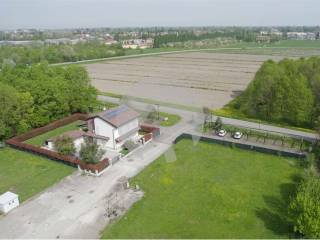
(9,111)
(218,123)
(152,113)
(35,95)
(305,208)
(285,92)
(65,145)
(207,116)
(90,151)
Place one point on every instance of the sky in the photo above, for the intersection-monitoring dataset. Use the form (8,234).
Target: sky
(49,14)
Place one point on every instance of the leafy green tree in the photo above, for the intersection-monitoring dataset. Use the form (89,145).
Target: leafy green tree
(90,151)
(305,208)
(284,92)
(9,110)
(65,145)
(218,123)
(36,95)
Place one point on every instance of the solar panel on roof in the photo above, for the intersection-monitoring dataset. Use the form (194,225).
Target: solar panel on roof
(115,112)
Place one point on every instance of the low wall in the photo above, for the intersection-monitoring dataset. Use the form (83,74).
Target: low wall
(95,168)
(150,129)
(147,137)
(69,160)
(56,124)
(18,143)
(224,142)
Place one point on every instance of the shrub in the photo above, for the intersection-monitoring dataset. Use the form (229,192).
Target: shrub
(90,151)
(152,114)
(64,145)
(218,123)
(305,208)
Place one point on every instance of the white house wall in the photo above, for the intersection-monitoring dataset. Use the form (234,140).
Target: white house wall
(77,144)
(105,129)
(134,124)
(102,128)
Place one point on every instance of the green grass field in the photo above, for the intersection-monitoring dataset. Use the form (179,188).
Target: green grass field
(173,119)
(27,174)
(39,140)
(297,44)
(211,191)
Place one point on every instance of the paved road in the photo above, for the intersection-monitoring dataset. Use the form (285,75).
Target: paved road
(189,115)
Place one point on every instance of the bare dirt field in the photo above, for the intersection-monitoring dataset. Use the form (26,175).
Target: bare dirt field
(196,79)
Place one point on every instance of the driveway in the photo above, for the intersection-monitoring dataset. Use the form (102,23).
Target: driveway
(75,207)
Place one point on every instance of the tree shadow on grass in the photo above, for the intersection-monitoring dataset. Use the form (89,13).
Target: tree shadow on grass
(275,216)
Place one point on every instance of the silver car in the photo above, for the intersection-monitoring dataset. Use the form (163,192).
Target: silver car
(221,133)
(237,135)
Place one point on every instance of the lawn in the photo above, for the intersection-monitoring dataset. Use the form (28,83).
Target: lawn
(172,119)
(211,191)
(39,140)
(27,174)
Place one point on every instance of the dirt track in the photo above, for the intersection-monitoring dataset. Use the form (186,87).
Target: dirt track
(196,79)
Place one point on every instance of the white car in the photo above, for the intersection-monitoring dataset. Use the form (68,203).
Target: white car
(221,133)
(237,135)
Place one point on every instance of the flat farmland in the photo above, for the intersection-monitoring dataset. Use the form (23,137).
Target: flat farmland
(196,79)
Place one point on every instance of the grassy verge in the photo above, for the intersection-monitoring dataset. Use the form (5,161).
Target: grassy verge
(39,140)
(151,101)
(211,191)
(229,112)
(173,119)
(27,174)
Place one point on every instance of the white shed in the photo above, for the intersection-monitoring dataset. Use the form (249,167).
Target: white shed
(8,201)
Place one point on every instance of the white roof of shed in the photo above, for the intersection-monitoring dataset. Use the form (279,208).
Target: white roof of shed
(7,197)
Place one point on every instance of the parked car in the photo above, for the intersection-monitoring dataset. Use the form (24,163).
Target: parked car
(221,133)
(237,135)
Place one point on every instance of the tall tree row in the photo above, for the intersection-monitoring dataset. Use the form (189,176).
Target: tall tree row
(27,55)
(284,92)
(34,96)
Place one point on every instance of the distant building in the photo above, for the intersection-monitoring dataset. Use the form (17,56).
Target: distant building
(301,36)
(263,39)
(138,43)
(109,40)
(57,41)
(269,36)
(8,201)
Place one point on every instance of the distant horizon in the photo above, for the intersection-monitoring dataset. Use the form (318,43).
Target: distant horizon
(159,26)
(72,14)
